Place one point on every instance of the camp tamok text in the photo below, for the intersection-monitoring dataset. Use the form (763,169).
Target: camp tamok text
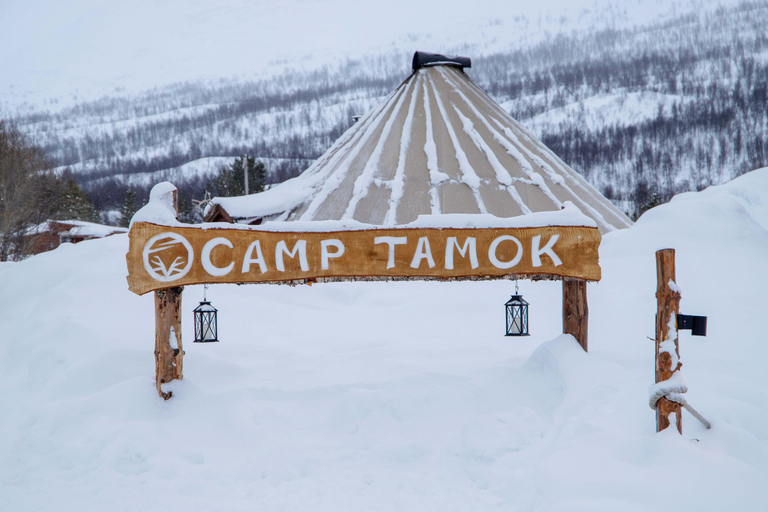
(167,256)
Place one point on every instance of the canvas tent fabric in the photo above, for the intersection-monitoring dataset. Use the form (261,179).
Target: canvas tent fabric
(436,145)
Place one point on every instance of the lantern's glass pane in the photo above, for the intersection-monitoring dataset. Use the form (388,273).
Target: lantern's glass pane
(524,317)
(208,334)
(516,326)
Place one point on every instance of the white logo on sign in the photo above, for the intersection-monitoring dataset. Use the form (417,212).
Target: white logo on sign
(167,257)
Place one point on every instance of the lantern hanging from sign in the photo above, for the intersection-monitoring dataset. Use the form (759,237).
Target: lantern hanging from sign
(206,324)
(517,315)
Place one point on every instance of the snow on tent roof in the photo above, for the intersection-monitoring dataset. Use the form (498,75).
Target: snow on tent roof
(436,145)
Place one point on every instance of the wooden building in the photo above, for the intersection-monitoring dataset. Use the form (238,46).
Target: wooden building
(50,234)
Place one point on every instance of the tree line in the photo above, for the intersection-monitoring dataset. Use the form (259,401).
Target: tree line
(31,193)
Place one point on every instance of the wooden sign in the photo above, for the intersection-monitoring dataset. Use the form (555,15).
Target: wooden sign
(163,257)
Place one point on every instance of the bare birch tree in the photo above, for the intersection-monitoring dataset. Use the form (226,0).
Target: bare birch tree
(28,191)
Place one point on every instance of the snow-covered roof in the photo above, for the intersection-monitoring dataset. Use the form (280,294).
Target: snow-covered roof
(76,228)
(436,145)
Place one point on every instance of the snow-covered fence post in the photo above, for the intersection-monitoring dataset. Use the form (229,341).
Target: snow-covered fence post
(576,310)
(169,353)
(667,362)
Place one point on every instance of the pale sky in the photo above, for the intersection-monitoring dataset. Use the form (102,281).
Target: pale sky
(54,49)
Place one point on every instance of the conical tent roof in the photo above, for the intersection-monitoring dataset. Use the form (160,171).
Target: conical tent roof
(436,145)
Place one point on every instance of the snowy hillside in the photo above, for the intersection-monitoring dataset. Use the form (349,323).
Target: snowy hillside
(383,396)
(641,98)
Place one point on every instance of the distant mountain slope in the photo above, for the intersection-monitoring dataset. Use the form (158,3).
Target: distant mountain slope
(58,53)
(659,108)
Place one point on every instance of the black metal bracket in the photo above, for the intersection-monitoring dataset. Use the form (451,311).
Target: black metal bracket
(697,324)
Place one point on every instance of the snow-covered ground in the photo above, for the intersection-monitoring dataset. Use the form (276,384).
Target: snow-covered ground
(393,396)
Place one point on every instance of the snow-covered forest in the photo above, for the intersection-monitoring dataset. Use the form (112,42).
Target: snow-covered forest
(658,109)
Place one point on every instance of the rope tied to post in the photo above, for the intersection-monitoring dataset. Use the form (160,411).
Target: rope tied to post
(673,389)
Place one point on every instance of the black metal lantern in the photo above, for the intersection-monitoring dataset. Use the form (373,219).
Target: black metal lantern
(517,316)
(206,325)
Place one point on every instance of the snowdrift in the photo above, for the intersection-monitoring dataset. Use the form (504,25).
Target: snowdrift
(382,396)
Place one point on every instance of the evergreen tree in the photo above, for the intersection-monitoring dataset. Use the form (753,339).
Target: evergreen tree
(128,209)
(654,201)
(74,204)
(230,181)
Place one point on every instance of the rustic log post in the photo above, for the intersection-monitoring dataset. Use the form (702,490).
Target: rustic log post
(169,353)
(576,310)
(668,304)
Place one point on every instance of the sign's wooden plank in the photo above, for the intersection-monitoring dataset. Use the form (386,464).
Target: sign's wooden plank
(163,256)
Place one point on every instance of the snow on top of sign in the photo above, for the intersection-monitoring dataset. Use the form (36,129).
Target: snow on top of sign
(569,215)
(160,208)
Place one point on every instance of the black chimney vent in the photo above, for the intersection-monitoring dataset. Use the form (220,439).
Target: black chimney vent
(422,59)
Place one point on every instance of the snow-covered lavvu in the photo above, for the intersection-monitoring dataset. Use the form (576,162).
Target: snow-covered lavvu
(393,396)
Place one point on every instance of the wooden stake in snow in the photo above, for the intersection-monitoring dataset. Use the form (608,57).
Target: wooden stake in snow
(668,309)
(576,310)
(169,353)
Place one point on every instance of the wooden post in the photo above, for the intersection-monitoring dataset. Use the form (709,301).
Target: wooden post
(169,353)
(576,310)
(668,304)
